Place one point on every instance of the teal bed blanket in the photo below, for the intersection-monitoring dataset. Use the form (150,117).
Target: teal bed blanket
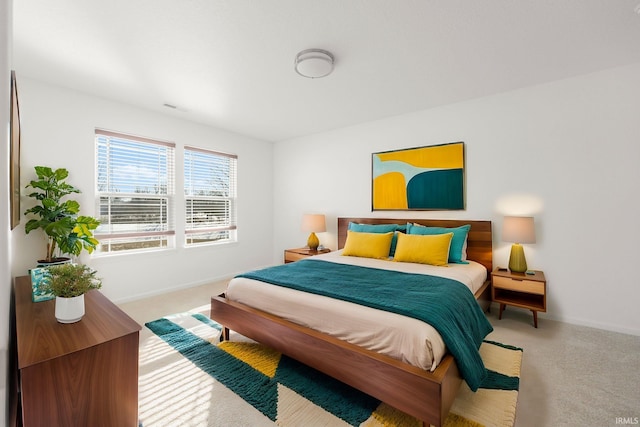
(446,304)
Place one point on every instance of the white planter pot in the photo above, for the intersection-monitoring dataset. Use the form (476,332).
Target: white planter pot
(69,310)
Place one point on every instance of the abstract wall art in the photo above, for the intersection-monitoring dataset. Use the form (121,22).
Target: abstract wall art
(423,178)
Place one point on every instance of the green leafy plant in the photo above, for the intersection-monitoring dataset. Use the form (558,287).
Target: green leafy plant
(65,229)
(71,280)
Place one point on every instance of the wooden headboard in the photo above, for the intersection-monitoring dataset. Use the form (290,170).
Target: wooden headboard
(479,241)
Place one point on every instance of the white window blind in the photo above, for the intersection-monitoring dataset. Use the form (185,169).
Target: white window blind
(210,196)
(135,191)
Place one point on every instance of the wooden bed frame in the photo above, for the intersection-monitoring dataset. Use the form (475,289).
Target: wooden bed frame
(425,395)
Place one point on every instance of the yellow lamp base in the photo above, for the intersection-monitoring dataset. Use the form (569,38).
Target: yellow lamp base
(517,261)
(313,242)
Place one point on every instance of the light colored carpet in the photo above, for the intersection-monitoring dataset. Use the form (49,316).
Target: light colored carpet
(284,391)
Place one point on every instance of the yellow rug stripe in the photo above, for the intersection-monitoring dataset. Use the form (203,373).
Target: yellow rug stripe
(500,359)
(388,416)
(261,358)
(487,407)
(455,420)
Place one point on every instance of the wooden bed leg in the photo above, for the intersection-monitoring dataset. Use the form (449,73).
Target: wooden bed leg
(224,336)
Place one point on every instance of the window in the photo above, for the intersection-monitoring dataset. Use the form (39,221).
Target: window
(135,192)
(210,196)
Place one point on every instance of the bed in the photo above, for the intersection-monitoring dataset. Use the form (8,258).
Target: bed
(425,394)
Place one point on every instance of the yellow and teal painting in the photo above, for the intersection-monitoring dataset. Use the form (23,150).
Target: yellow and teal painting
(423,178)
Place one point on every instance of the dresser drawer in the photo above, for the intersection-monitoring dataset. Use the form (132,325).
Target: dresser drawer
(523,285)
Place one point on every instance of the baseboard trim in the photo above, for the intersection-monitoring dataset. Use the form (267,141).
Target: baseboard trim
(577,321)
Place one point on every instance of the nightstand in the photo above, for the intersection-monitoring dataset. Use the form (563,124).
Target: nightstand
(292,255)
(520,290)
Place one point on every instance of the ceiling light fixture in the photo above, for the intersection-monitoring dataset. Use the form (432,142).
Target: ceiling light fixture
(314,63)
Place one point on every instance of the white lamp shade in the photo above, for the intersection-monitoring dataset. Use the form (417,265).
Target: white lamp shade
(314,223)
(314,63)
(518,229)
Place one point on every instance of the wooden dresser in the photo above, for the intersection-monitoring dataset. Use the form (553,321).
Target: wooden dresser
(79,374)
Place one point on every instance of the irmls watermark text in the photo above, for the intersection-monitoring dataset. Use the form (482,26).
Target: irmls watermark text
(629,421)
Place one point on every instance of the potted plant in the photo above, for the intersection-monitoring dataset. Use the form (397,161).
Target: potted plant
(68,283)
(65,229)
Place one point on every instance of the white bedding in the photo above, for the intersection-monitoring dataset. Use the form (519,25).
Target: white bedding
(400,337)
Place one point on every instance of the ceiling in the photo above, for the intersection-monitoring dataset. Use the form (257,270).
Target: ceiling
(229,64)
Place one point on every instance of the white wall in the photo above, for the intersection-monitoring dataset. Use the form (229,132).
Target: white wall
(58,131)
(5,224)
(567,152)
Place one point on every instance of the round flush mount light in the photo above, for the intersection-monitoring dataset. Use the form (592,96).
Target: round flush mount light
(314,63)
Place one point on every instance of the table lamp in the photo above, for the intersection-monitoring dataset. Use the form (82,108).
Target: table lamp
(314,223)
(518,229)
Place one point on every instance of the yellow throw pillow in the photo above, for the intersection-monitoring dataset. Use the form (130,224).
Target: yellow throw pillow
(423,249)
(367,245)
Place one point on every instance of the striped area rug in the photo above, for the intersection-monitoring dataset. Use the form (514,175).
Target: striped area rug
(188,378)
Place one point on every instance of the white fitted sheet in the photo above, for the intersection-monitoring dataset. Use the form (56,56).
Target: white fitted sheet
(410,340)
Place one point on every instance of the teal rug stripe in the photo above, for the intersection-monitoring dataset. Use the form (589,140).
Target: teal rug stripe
(251,385)
(345,402)
(497,381)
(204,319)
(507,346)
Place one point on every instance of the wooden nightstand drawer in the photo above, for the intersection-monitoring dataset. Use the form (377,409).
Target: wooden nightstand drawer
(293,255)
(523,285)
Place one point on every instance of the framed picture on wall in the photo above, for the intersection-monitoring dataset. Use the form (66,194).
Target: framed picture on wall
(14,156)
(422,178)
